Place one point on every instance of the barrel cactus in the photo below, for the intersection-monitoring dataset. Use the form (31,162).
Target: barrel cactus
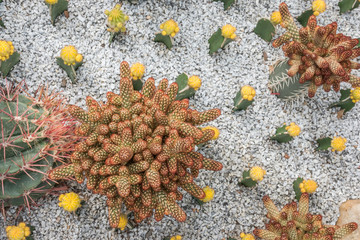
(139,149)
(37,134)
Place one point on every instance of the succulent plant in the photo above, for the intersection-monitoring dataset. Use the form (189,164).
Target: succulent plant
(320,54)
(139,148)
(9,57)
(56,8)
(116,21)
(37,133)
(295,222)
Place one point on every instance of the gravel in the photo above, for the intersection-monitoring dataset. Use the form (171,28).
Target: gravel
(244,139)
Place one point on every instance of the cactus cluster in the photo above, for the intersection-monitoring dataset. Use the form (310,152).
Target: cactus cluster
(139,148)
(37,134)
(320,54)
(295,222)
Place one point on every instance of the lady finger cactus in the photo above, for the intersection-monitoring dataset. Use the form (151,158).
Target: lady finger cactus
(253,176)
(286,133)
(70,60)
(8,57)
(19,232)
(116,21)
(138,149)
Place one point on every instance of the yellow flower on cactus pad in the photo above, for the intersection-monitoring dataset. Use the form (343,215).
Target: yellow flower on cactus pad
(123,221)
(276,18)
(116,19)
(70,201)
(6,50)
(170,27)
(177,237)
(137,71)
(308,186)
(217,132)
(19,232)
(247,236)
(51,2)
(257,173)
(293,129)
(248,93)
(194,82)
(228,31)
(338,144)
(209,194)
(318,6)
(355,94)
(70,55)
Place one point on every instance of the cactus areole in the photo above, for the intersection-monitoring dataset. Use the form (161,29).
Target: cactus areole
(139,149)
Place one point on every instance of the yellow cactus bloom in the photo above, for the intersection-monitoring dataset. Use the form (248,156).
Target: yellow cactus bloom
(116,19)
(276,18)
(137,71)
(338,144)
(209,194)
(217,132)
(257,173)
(228,31)
(70,201)
(6,50)
(123,221)
(293,129)
(70,55)
(194,82)
(170,27)
(308,186)
(51,2)
(318,6)
(355,94)
(19,232)
(248,93)
(177,237)
(247,236)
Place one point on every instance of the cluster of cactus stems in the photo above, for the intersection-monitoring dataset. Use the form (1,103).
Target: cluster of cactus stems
(295,222)
(37,134)
(320,54)
(139,148)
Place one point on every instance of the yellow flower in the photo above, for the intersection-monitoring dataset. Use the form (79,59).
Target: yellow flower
(137,71)
(209,194)
(177,237)
(217,132)
(318,6)
(123,221)
(194,82)
(19,232)
(293,129)
(355,94)
(275,18)
(116,19)
(308,186)
(51,2)
(228,31)
(257,173)
(70,55)
(6,50)
(338,144)
(70,201)
(170,27)
(248,93)
(247,236)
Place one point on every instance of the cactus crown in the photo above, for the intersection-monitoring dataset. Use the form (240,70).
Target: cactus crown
(320,54)
(294,222)
(139,149)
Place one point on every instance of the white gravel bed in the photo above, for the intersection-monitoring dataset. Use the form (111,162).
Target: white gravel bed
(244,139)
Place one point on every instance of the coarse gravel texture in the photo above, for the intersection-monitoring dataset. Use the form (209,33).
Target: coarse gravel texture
(244,139)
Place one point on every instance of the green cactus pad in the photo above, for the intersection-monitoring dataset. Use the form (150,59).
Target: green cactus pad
(345,102)
(57,9)
(164,39)
(323,144)
(265,29)
(7,65)
(281,135)
(296,186)
(348,5)
(283,86)
(184,90)
(71,74)
(247,181)
(227,3)
(240,103)
(218,41)
(304,17)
